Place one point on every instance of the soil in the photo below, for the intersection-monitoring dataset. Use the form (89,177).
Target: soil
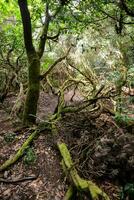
(91,139)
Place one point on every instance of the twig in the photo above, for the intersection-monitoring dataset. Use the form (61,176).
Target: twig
(3,180)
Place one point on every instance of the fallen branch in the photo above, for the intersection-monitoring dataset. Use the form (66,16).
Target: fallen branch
(29,178)
(20,152)
(87,187)
(25,146)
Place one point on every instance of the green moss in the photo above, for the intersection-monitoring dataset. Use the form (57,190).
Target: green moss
(30,108)
(82,185)
(19,153)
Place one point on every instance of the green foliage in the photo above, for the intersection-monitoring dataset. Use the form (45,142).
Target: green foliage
(9,137)
(123,119)
(30,156)
(48,61)
(127,192)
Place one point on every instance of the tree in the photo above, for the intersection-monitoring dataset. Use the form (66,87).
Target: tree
(34,56)
(34,66)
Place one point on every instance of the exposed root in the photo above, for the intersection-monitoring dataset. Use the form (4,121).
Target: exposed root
(18,103)
(86,187)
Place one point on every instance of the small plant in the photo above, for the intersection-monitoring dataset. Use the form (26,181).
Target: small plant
(123,119)
(30,156)
(127,192)
(9,137)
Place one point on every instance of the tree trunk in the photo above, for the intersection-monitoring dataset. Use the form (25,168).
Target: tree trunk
(30,108)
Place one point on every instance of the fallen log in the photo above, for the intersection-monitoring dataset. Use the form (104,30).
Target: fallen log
(25,145)
(92,191)
(20,152)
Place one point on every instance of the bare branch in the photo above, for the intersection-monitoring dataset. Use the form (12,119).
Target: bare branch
(83,74)
(43,76)
(18,58)
(55,37)
(8,61)
(43,37)
(114,18)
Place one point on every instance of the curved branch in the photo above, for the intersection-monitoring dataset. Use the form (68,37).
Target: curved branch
(43,37)
(55,37)
(83,74)
(43,76)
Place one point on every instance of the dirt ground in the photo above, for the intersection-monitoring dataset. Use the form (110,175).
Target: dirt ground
(101,150)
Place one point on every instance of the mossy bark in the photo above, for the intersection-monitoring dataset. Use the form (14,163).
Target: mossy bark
(81,185)
(30,108)
(19,153)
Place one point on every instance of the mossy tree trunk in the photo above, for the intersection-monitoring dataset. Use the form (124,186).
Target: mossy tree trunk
(30,108)
(34,57)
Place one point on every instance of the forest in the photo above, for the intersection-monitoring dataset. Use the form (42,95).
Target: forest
(67,99)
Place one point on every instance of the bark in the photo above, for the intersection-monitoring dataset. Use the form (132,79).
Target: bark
(30,108)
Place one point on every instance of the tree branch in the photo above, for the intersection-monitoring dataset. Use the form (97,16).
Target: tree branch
(18,58)
(43,37)
(55,37)
(43,76)
(83,74)
(9,55)
(114,18)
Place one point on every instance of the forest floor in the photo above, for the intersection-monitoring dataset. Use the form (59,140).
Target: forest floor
(101,150)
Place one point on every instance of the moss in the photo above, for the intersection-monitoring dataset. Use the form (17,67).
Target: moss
(69,193)
(19,153)
(30,108)
(82,185)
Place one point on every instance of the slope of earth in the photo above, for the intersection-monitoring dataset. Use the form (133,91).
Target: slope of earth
(42,161)
(99,148)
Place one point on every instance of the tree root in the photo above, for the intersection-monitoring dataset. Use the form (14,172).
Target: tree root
(20,152)
(78,184)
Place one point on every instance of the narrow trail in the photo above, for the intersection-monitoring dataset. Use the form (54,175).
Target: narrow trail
(50,182)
